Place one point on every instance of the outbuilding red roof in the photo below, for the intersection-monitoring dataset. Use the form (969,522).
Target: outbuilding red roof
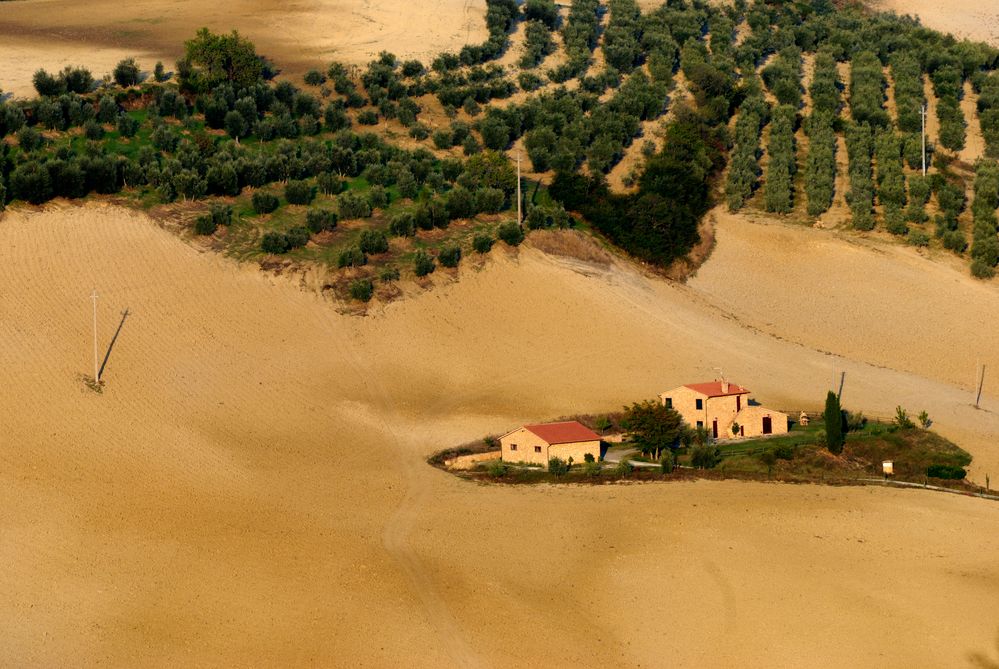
(714,389)
(566,432)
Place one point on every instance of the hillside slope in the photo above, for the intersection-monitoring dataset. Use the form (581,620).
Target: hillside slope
(249,489)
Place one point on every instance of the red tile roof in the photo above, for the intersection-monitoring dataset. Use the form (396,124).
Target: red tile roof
(714,389)
(563,433)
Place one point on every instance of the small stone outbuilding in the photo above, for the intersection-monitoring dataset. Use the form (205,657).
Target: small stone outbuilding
(537,444)
(717,406)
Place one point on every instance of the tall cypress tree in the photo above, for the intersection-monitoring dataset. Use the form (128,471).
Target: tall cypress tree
(834,424)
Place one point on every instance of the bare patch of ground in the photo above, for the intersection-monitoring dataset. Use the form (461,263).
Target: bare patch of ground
(969,19)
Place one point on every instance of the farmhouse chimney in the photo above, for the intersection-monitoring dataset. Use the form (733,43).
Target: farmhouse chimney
(724,386)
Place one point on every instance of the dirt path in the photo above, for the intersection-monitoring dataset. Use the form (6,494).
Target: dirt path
(974,143)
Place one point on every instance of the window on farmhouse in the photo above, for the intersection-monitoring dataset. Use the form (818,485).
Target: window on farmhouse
(669,402)
(537,449)
(700,423)
(700,404)
(513,447)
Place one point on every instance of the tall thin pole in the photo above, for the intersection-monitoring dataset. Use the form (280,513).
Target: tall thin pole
(981,382)
(520,220)
(922,114)
(97,378)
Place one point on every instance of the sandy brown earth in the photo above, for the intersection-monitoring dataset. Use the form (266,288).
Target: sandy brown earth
(295,36)
(970,19)
(249,490)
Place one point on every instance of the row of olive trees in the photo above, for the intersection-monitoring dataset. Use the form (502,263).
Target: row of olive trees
(579,34)
(538,43)
(622,37)
(890,174)
(907,74)
(948,86)
(820,164)
(988,113)
(744,166)
(783,76)
(778,189)
(867,91)
(985,243)
(860,197)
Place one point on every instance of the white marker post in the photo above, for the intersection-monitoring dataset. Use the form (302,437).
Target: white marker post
(922,114)
(96,368)
(520,219)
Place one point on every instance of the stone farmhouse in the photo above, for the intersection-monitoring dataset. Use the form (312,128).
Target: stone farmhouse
(718,405)
(537,444)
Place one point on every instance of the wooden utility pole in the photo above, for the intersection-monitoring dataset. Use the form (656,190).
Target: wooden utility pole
(97,378)
(520,220)
(981,382)
(922,114)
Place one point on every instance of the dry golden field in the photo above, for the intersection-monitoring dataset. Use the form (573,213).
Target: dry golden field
(296,36)
(250,488)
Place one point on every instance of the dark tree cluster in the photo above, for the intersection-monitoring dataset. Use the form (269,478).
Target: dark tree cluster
(210,60)
(70,80)
(659,223)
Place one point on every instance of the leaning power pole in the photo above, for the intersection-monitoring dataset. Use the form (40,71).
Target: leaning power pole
(97,378)
(922,115)
(520,219)
(981,382)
